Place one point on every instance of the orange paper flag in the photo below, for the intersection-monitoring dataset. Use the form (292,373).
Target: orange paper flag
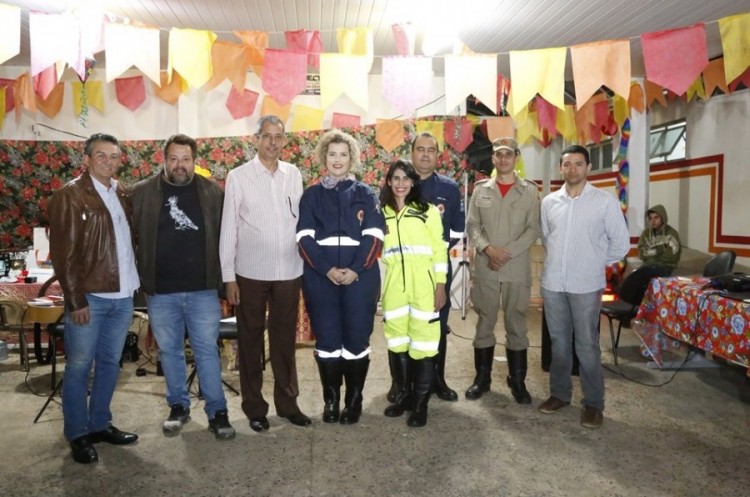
(600,63)
(170,89)
(500,127)
(258,42)
(24,94)
(674,58)
(713,77)
(272,108)
(635,100)
(230,61)
(655,92)
(53,103)
(389,134)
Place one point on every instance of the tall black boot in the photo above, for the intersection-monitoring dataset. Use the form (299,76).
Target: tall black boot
(392,361)
(402,378)
(441,389)
(424,373)
(483,365)
(517,374)
(355,373)
(330,378)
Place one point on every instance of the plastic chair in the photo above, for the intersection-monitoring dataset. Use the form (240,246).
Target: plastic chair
(629,298)
(721,263)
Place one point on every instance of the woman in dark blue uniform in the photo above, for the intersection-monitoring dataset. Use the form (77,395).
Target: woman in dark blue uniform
(340,233)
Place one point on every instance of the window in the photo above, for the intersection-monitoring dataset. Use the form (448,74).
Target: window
(601,155)
(668,141)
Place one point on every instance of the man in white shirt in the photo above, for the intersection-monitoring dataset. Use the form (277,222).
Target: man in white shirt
(583,230)
(262,271)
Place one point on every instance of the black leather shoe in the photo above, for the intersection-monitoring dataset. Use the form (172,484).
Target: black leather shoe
(298,419)
(259,424)
(113,436)
(83,450)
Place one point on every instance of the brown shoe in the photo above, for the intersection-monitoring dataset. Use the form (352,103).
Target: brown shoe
(591,417)
(552,405)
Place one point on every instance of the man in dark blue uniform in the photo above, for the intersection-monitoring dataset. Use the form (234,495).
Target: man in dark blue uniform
(444,193)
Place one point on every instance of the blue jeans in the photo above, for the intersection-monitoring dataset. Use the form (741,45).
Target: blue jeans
(169,315)
(100,344)
(575,314)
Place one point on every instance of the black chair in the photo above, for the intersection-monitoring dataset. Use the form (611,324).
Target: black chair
(227,331)
(39,351)
(629,298)
(721,263)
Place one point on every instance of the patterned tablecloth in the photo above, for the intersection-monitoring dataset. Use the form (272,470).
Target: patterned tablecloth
(683,310)
(23,292)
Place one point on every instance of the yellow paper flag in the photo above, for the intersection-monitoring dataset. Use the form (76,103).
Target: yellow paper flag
(566,123)
(735,40)
(543,72)
(340,73)
(271,108)
(527,127)
(94,95)
(306,118)
(620,110)
(190,55)
(696,89)
(437,128)
(356,41)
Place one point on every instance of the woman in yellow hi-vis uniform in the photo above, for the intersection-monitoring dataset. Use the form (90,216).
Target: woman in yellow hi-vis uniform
(416,264)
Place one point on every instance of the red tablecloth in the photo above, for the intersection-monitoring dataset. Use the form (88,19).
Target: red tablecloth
(686,310)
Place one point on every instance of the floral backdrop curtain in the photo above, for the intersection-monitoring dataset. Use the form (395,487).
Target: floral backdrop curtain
(30,171)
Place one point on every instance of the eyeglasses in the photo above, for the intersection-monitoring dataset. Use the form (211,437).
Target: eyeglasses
(101,157)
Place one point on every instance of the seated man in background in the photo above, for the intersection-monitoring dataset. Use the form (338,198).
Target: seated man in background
(659,243)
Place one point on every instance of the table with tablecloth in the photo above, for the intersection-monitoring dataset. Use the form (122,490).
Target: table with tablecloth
(681,310)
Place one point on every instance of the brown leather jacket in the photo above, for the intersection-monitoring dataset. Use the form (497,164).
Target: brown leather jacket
(82,240)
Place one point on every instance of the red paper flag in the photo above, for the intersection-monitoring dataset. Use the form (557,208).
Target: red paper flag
(744,78)
(403,35)
(546,115)
(345,120)
(241,104)
(10,98)
(284,74)
(674,58)
(131,92)
(305,41)
(458,133)
(503,91)
(45,82)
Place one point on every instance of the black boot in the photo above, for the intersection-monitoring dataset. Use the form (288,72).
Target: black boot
(424,373)
(355,373)
(330,378)
(441,389)
(483,365)
(392,361)
(517,375)
(402,379)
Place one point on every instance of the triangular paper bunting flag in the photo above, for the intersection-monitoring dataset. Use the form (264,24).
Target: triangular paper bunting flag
(340,73)
(229,61)
(284,74)
(24,94)
(341,120)
(459,133)
(52,38)
(272,108)
(45,82)
(500,127)
(566,123)
(2,106)
(389,134)
(696,89)
(258,42)
(655,92)
(190,55)
(600,63)
(547,115)
(404,36)
(674,58)
(482,84)
(94,95)
(171,87)
(407,82)
(131,92)
(620,110)
(435,128)
(306,119)
(10,97)
(356,41)
(503,93)
(714,77)
(735,40)
(636,100)
(129,45)
(241,104)
(744,78)
(53,103)
(305,41)
(10,33)
(543,72)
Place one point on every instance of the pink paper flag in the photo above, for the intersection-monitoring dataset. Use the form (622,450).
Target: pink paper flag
(45,82)
(305,41)
(503,92)
(407,82)
(674,58)
(131,92)
(284,74)
(404,36)
(546,115)
(341,120)
(241,104)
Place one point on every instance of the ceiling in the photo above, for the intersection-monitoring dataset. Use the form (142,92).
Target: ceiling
(485,26)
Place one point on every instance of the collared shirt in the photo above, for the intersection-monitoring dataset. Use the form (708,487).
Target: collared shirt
(443,192)
(259,223)
(581,236)
(129,281)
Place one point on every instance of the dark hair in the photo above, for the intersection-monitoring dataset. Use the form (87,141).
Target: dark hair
(98,137)
(576,149)
(414,197)
(274,120)
(181,139)
(425,134)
